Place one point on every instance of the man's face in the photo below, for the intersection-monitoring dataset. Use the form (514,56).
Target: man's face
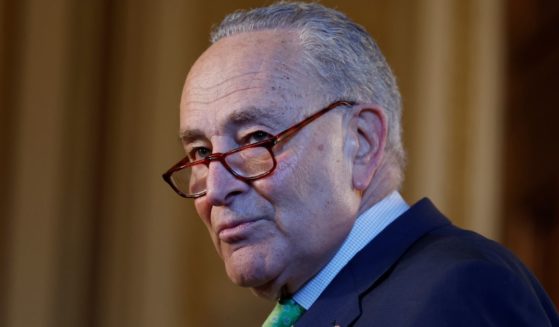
(274,233)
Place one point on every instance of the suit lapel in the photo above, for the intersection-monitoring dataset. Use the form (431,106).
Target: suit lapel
(339,303)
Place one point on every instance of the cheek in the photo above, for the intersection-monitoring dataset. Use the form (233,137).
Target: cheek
(295,191)
(204,210)
(299,173)
(282,187)
(283,191)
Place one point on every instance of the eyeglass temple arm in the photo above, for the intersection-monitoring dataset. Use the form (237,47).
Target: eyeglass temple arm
(285,134)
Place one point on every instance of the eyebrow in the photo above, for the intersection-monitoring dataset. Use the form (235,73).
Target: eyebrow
(256,114)
(244,116)
(189,136)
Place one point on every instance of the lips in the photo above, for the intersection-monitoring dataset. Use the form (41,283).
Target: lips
(235,231)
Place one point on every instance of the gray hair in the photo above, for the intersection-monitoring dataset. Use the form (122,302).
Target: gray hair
(345,57)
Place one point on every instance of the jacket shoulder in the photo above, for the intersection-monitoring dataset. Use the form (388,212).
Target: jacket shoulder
(454,277)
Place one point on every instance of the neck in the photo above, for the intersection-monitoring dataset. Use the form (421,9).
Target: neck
(382,184)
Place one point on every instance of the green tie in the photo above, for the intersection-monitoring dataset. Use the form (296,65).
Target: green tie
(285,314)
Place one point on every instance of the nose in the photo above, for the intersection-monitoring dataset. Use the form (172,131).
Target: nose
(222,186)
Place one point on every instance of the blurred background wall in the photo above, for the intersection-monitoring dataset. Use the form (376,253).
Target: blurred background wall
(89,92)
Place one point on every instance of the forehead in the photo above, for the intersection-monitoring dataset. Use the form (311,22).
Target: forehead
(256,75)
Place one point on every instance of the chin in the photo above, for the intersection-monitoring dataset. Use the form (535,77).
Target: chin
(254,275)
(267,292)
(246,276)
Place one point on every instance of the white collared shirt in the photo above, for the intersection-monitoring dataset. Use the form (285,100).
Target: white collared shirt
(366,227)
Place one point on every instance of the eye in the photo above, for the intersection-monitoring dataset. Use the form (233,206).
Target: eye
(257,136)
(199,153)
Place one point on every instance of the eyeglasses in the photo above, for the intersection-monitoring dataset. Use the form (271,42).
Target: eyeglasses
(247,163)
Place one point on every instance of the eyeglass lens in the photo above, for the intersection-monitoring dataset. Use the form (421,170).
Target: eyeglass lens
(248,163)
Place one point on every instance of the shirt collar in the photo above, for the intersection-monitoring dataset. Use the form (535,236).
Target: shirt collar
(365,228)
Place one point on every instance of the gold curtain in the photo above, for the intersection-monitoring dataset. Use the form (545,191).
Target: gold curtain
(90,235)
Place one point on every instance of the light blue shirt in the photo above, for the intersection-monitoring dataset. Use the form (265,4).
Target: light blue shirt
(366,227)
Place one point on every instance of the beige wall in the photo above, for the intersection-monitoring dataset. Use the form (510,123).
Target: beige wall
(91,236)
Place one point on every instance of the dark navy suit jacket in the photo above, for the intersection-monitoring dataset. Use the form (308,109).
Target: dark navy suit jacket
(423,271)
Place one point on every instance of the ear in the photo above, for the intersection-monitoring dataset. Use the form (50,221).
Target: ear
(368,139)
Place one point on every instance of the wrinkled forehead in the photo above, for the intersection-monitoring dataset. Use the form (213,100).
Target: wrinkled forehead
(248,52)
(256,72)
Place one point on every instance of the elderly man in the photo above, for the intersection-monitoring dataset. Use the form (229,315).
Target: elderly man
(291,126)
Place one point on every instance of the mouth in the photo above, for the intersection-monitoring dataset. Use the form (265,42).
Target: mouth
(236,231)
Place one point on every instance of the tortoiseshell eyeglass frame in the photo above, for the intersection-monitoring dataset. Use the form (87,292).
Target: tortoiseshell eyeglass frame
(268,144)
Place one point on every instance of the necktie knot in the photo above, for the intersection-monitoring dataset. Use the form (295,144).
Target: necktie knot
(285,314)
